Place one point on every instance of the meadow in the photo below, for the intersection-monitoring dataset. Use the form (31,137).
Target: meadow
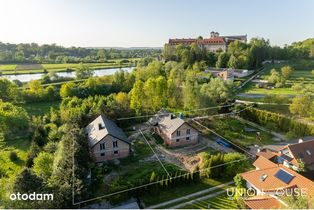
(301,75)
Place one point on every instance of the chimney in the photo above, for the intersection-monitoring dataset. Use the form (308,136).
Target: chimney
(300,140)
(101,126)
(172,116)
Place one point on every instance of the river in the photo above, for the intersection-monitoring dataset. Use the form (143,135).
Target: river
(97,72)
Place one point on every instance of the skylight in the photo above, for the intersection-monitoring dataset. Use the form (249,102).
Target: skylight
(284,176)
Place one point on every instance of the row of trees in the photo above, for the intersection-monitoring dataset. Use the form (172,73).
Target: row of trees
(34,53)
(278,121)
(208,164)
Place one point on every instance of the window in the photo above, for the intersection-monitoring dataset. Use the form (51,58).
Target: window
(115,144)
(188,132)
(102,146)
(178,133)
(116,152)
(177,140)
(308,152)
(187,138)
(102,154)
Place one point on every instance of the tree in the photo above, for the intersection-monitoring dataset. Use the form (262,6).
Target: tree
(222,60)
(286,71)
(233,62)
(137,96)
(27,182)
(101,55)
(67,90)
(123,100)
(276,78)
(239,181)
(217,90)
(8,90)
(43,165)
(301,105)
(153,177)
(13,119)
(83,72)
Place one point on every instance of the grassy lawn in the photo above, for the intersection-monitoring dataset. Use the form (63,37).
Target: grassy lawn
(40,108)
(8,168)
(220,202)
(277,108)
(179,191)
(236,131)
(19,69)
(7,67)
(302,74)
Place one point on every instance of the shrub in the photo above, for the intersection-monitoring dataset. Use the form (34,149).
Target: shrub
(13,156)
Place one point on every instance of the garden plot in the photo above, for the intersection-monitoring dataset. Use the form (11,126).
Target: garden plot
(132,171)
(236,131)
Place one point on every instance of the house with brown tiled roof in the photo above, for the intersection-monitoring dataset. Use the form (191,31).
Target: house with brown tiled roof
(274,180)
(291,154)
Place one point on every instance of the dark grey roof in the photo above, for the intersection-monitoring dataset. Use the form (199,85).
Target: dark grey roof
(170,123)
(101,127)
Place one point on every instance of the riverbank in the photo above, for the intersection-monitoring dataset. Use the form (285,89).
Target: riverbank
(67,74)
(10,69)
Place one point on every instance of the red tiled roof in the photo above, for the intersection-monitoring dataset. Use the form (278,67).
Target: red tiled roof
(262,163)
(214,40)
(266,154)
(262,202)
(272,183)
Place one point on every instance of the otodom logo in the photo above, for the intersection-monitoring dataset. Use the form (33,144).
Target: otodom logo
(32,196)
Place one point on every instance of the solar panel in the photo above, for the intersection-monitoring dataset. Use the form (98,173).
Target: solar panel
(284,176)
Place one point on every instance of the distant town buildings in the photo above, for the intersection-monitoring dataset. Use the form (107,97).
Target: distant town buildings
(214,43)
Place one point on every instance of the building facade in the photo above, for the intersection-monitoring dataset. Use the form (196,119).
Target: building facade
(106,140)
(214,43)
(176,132)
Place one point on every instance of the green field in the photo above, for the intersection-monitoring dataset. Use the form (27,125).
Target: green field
(302,74)
(219,202)
(236,131)
(40,108)
(8,67)
(27,68)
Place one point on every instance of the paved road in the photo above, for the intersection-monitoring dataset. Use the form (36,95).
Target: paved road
(190,196)
(255,102)
(259,95)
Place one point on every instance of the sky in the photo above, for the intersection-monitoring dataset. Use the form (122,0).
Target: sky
(150,23)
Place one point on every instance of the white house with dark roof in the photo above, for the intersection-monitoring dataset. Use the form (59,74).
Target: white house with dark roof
(106,140)
(175,131)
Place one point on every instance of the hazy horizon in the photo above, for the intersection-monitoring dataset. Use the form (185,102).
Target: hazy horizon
(140,23)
